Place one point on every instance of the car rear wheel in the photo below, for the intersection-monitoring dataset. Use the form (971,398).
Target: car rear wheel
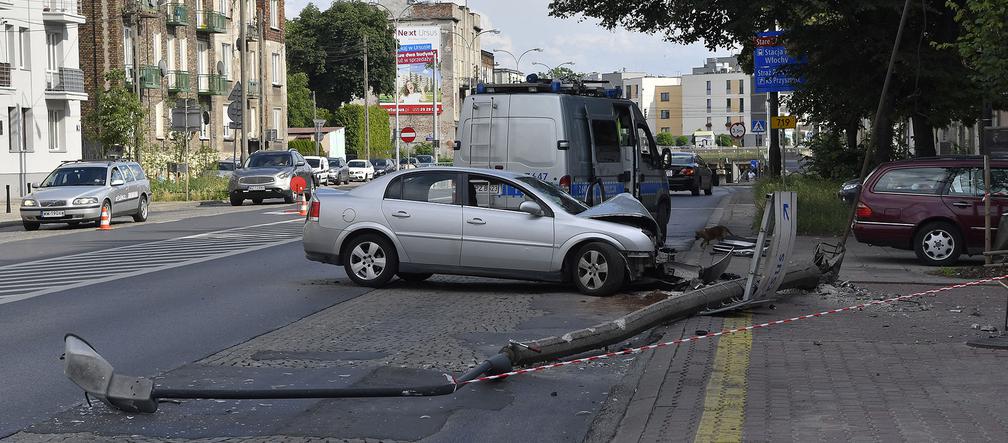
(695,190)
(415,277)
(141,214)
(289,197)
(370,260)
(598,269)
(938,244)
(30,226)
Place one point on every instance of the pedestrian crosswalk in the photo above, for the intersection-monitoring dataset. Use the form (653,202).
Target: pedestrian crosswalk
(31,279)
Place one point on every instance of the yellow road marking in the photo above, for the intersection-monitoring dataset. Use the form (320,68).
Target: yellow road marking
(724,403)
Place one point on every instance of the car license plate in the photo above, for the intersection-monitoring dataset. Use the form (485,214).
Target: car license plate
(257,188)
(53,213)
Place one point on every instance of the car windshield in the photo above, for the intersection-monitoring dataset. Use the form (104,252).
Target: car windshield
(225,166)
(357,164)
(378,162)
(554,194)
(75,177)
(680,158)
(314,162)
(337,162)
(406,161)
(279,159)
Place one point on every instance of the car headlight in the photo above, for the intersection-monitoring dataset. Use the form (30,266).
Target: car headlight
(849,186)
(28,202)
(285,175)
(668,173)
(85,201)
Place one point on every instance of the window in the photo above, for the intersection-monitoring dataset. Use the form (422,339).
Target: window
(965,182)
(664,114)
(646,142)
(159,127)
(24,40)
(274,14)
(252,121)
(172,42)
(70,176)
(727,121)
(277,71)
(225,58)
(224,7)
(708,106)
(636,91)
(911,181)
(228,132)
(277,120)
(128,50)
(137,171)
(425,187)
(492,193)
(116,175)
(708,89)
(607,148)
(728,107)
(127,174)
(55,130)
(741,104)
(741,86)
(156,41)
(6,45)
(665,129)
(708,122)
(53,40)
(728,86)
(664,96)
(184,53)
(628,91)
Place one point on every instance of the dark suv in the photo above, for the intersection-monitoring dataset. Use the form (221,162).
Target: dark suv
(931,205)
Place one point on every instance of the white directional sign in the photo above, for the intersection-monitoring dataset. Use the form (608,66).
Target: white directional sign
(737,130)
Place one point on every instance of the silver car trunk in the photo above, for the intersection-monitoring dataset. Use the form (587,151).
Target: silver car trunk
(623,209)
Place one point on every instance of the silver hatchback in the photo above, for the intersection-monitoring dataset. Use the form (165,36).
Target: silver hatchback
(76,192)
(479,222)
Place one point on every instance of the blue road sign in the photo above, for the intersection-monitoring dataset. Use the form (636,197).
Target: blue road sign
(758,126)
(769,61)
(754,164)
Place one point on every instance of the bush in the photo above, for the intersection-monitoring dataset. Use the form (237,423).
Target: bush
(831,158)
(665,139)
(724,140)
(820,211)
(423,148)
(682,140)
(206,187)
(305,147)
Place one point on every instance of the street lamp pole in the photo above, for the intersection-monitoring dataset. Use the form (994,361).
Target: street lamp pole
(469,46)
(395,64)
(518,58)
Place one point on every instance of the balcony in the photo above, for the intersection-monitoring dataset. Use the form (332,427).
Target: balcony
(150,77)
(253,88)
(145,8)
(5,75)
(65,84)
(61,11)
(251,32)
(211,22)
(177,14)
(178,81)
(212,84)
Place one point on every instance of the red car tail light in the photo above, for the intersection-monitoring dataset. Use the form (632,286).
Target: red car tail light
(313,211)
(863,211)
(565,183)
(686,171)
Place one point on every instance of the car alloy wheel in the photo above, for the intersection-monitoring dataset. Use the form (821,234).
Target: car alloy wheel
(598,269)
(141,215)
(370,260)
(593,269)
(938,245)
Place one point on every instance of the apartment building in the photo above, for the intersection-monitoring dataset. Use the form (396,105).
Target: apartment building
(718,94)
(189,51)
(41,89)
(659,99)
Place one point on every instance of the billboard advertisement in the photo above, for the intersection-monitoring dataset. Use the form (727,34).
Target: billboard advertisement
(418,46)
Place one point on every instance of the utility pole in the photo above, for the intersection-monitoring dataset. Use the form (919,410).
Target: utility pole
(775,152)
(434,137)
(367,112)
(314,111)
(243,37)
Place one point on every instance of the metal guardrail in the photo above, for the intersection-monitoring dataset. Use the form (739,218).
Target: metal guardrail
(65,80)
(211,22)
(61,6)
(177,14)
(178,81)
(5,75)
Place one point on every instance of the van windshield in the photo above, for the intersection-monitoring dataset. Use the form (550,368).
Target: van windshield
(554,194)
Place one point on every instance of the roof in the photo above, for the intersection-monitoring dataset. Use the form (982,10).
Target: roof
(485,171)
(309,131)
(95,163)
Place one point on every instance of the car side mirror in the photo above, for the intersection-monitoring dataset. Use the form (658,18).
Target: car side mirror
(563,145)
(118,182)
(531,207)
(299,164)
(666,159)
(457,145)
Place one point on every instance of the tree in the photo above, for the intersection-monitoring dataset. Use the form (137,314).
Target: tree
(306,147)
(682,140)
(351,117)
(299,103)
(423,148)
(118,116)
(982,44)
(724,140)
(665,139)
(329,48)
(562,73)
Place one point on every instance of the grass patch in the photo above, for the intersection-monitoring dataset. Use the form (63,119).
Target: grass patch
(820,211)
(200,188)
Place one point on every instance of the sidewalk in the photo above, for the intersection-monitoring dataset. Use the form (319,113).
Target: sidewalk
(883,373)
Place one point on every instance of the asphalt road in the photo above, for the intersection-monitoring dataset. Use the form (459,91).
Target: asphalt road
(161,319)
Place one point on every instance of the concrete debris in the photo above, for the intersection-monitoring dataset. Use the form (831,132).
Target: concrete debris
(975,326)
(846,293)
(988,328)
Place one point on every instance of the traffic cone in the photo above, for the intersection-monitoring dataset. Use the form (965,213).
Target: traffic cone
(302,205)
(106,220)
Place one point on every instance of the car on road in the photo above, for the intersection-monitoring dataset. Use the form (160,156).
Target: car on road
(480,222)
(688,172)
(320,169)
(425,160)
(933,206)
(408,163)
(339,173)
(77,192)
(383,166)
(361,170)
(848,190)
(268,174)
(225,168)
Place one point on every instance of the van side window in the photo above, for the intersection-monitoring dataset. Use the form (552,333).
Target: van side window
(607,148)
(912,181)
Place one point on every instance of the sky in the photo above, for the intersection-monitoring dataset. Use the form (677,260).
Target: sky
(526,24)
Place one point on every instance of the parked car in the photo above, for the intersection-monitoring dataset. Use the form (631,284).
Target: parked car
(268,174)
(408,163)
(361,170)
(933,206)
(426,160)
(848,190)
(339,173)
(320,169)
(480,222)
(382,166)
(688,172)
(76,192)
(226,167)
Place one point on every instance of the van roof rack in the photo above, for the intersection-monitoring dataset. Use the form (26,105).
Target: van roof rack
(534,84)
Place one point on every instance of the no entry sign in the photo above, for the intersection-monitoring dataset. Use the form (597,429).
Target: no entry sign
(408,134)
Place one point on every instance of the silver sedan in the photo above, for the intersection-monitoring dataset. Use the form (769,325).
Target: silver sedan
(479,222)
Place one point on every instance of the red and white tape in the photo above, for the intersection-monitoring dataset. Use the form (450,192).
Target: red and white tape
(729,331)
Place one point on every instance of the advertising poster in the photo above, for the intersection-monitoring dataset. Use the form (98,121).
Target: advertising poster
(415,62)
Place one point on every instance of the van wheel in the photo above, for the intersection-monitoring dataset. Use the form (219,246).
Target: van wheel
(236,200)
(598,269)
(938,244)
(664,215)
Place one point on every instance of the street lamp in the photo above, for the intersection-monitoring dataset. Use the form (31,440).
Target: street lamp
(518,58)
(395,64)
(470,45)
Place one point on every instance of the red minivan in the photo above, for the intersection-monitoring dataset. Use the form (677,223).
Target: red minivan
(931,205)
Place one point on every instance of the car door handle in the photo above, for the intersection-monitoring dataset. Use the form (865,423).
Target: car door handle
(476,221)
(401,214)
(962,204)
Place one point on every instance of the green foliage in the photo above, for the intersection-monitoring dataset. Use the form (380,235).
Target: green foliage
(117,118)
(724,140)
(299,103)
(423,148)
(682,140)
(831,158)
(982,43)
(351,117)
(328,47)
(201,187)
(562,73)
(820,211)
(665,139)
(305,147)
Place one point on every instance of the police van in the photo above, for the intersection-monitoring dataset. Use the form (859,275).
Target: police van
(584,139)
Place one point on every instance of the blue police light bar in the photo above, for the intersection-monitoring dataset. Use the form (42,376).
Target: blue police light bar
(481,88)
(614,93)
(532,78)
(555,86)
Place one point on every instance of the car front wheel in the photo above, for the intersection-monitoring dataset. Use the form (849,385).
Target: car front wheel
(236,200)
(30,226)
(370,260)
(598,269)
(938,244)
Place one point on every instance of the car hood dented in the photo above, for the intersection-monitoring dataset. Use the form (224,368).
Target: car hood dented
(623,209)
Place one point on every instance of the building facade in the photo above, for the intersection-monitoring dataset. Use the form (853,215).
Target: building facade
(718,94)
(659,99)
(187,53)
(41,89)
